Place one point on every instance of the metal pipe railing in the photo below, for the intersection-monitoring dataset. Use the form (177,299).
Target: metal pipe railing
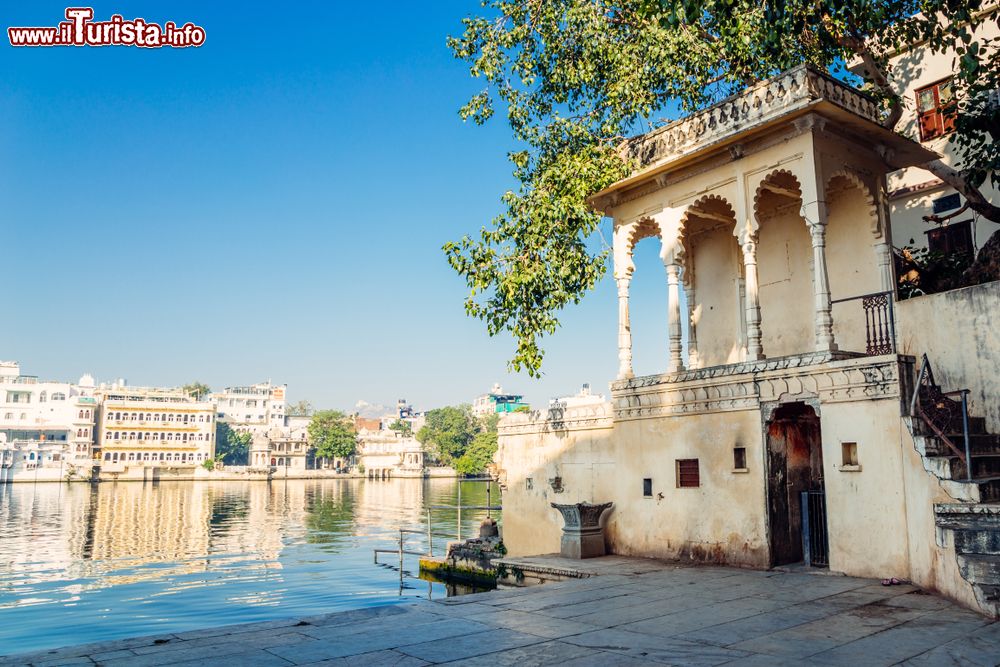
(916,410)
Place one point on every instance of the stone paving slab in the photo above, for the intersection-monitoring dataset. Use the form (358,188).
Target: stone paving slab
(624,611)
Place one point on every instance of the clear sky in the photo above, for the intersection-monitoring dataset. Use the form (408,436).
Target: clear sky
(269,205)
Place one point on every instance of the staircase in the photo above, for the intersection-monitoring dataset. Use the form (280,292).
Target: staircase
(939,426)
(949,467)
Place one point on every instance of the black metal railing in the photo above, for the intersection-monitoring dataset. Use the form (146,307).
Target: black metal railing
(941,413)
(880,322)
(815,545)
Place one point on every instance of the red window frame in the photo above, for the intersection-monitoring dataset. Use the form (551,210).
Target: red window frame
(936,110)
(688,474)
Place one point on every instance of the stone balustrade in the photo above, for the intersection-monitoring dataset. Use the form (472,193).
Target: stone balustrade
(793,90)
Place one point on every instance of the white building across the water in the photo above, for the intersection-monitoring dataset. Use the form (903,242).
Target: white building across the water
(46,428)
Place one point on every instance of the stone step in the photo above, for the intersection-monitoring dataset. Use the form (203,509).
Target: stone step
(985,542)
(984,466)
(982,443)
(989,490)
(980,569)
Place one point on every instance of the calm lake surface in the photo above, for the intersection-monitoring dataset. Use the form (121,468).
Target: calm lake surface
(82,563)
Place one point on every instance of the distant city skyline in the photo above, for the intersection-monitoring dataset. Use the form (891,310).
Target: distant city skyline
(270,206)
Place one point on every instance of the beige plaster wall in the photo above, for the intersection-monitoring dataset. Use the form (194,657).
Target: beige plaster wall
(933,563)
(717,296)
(784,263)
(866,511)
(960,333)
(851,264)
(723,520)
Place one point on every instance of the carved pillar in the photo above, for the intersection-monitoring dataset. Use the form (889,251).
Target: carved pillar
(691,325)
(624,331)
(883,256)
(755,349)
(674,315)
(821,279)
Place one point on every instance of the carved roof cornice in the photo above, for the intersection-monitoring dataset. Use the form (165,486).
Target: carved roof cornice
(795,89)
(787,104)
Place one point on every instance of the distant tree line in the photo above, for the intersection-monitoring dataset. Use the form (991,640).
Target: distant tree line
(454,436)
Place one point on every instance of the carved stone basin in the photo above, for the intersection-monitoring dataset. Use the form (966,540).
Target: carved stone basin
(582,535)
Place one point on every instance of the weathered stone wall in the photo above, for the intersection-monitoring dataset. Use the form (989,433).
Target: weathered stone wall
(960,333)
(661,419)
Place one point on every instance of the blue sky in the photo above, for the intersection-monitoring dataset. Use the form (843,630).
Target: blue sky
(270,205)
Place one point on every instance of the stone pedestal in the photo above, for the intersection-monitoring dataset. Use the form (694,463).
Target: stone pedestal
(582,535)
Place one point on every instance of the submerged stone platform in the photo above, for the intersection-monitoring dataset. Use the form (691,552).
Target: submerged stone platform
(617,611)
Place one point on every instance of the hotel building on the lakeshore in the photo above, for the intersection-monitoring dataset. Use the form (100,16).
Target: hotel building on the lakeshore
(497,402)
(252,409)
(46,428)
(142,427)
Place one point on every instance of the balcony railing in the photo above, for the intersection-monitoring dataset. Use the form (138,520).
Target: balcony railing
(880,322)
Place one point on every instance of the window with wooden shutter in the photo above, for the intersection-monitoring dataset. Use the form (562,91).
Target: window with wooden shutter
(952,239)
(687,473)
(936,110)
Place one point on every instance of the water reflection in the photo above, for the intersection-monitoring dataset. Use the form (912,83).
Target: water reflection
(82,563)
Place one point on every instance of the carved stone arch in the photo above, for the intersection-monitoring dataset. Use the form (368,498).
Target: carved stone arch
(709,206)
(626,236)
(857,181)
(778,183)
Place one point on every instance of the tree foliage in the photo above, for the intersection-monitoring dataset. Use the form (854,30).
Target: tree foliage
(232,447)
(197,390)
(453,433)
(332,434)
(402,427)
(447,432)
(478,455)
(576,77)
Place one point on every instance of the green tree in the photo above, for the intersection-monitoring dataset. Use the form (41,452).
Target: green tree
(478,455)
(577,77)
(404,428)
(197,390)
(299,409)
(447,432)
(232,447)
(332,434)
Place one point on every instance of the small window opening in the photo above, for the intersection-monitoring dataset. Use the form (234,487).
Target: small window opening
(647,487)
(687,473)
(740,458)
(850,453)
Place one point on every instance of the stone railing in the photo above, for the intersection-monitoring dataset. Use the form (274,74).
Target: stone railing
(555,418)
(792,90)
(830,377)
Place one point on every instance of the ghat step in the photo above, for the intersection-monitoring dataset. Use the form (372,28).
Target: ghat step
(975,530)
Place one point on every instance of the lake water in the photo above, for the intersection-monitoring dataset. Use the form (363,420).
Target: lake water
(82,563)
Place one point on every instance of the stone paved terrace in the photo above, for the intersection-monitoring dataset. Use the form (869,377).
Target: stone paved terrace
(625,612)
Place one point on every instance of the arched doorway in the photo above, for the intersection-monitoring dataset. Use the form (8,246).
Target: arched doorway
(795,490)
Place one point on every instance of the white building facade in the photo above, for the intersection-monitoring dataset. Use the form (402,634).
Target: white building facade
(46,428)
(141,429)
(252,409)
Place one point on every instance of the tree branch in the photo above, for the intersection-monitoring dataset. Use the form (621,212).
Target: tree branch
(976,201)
(877,76)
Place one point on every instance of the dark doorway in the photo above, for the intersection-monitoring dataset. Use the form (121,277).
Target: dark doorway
(794,466)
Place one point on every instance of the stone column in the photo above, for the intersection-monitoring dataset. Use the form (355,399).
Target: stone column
(883,256)
(755,349)
(821,281)
(692,327)
(674,315)
(624,331)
